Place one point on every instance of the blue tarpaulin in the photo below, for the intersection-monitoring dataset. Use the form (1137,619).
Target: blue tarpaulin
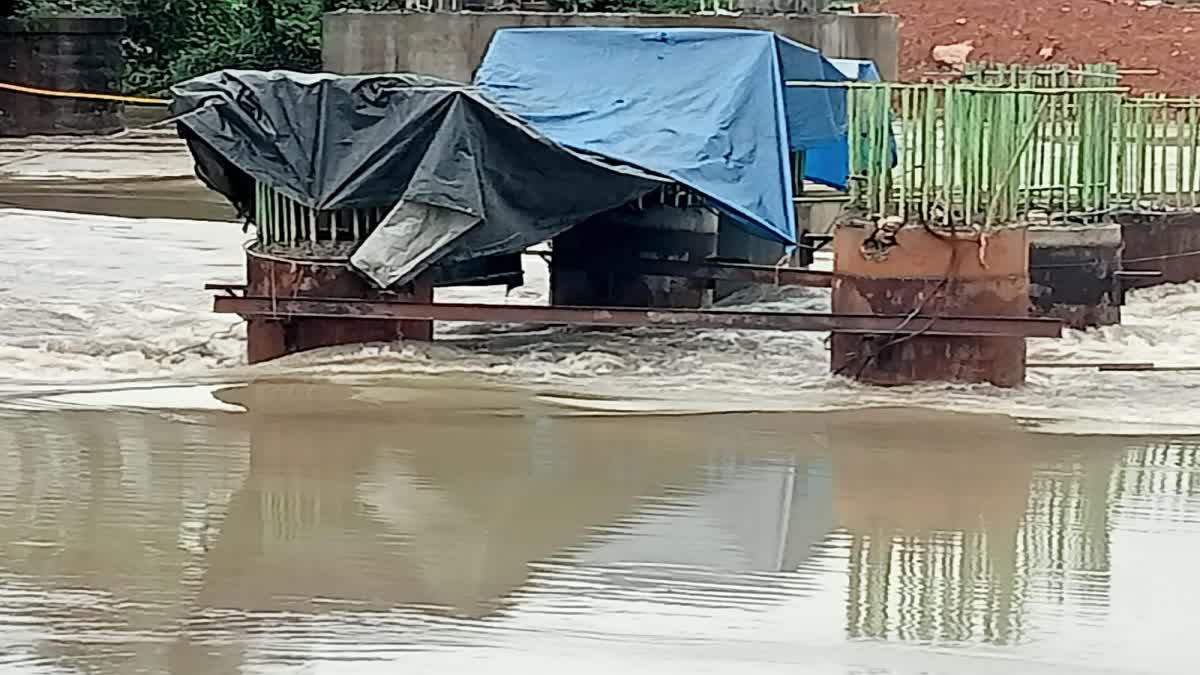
(706,107)
(859,70)
(829,163)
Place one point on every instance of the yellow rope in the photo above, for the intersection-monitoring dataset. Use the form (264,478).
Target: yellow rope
(76,94)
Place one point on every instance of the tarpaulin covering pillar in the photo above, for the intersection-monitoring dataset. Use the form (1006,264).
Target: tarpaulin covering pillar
(705,107)
(467,179)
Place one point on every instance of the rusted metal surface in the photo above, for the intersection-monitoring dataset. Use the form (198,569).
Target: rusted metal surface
(278,279)
(934,276)
(372,310)
(1161,242)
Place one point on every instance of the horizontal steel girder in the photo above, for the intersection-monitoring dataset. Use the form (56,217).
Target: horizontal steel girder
(328,308)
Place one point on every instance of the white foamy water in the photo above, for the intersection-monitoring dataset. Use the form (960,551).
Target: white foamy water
(92,304)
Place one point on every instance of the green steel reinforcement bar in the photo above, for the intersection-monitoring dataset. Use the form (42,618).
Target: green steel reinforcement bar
(1017,144)
(283,221)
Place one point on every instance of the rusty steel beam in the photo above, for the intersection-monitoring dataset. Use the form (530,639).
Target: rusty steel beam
(285,308)
(724,271)
(717,271)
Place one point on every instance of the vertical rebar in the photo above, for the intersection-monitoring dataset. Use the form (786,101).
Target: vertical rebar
(853,162)
(884,128)
(1194,135)
(289,216)
(1070,114)
(872,153)
(977,135)
(1162,125)
(929,153)
(907,156)
(949,167)
(1139,124)
(1178,127)
(1121,138)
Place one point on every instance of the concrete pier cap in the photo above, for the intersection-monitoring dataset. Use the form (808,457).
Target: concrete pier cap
(909,269)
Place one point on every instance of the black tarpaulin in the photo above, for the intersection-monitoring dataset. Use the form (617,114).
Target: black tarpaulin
(468,180)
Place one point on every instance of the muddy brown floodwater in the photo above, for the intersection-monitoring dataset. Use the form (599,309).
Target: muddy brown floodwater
(451,528)
(549,500)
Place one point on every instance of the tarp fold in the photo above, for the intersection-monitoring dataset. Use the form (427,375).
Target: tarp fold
(708,107)
(467,180)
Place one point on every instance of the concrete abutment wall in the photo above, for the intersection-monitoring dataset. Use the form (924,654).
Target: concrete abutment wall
(62,54)
(451,45)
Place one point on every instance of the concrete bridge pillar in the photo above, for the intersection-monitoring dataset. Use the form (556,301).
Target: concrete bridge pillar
(922,273)
(595,263)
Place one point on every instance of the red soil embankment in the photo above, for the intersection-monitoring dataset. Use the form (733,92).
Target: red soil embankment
(1135,35)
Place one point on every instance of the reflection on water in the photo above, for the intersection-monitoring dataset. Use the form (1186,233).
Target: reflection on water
(450,528)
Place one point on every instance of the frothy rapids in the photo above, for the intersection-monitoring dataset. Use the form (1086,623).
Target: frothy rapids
(95,309)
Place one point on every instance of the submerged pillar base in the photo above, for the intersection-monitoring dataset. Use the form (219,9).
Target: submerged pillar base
(929,274)
(1075,274)
(280,276)
(1166,242)
(735,244)
(595,263)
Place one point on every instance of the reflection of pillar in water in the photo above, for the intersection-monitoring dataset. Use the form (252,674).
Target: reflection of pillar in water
(928,587)
(112,491)
(457,518)
(1169,470)
(932,522)
(294,529)
(1067,527)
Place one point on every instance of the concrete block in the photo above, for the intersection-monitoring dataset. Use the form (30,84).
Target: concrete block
(735,244)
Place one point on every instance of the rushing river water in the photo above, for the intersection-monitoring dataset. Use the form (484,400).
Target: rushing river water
(549,500)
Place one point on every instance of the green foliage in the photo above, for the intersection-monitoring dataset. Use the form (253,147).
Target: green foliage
(168,41)
(368,5)
(48,7)
(633,6)
(172,40)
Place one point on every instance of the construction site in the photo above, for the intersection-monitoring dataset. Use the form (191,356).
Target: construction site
(954,204)
(788,337)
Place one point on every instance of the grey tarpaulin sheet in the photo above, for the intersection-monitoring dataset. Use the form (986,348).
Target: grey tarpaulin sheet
(472,180)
